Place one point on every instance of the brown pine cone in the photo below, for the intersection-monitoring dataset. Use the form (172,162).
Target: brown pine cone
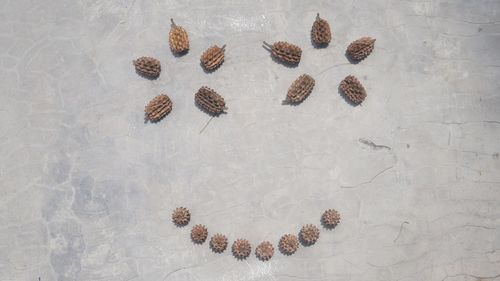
(288,244)
(309,234)
(199,234)
(300,89)
(361,48)
(320,32)
(178,39)
(213,57)
(158,107)
(286,52)
(330,218)
(210,101)
(181,216)
(148,67)
(241,249)
(218,243)
(264,251)
(353,89)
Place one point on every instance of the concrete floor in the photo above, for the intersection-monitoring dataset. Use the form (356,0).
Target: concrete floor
(87,188)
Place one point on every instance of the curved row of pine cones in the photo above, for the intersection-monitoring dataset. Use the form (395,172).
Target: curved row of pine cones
(212,103)
(241,248)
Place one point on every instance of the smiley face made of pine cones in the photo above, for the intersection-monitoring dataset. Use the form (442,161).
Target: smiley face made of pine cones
(212,103)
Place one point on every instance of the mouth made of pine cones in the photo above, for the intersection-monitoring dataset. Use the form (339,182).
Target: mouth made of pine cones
(284,53)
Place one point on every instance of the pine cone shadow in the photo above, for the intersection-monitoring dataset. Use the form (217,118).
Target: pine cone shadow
(288,102)
(351,59)
(285,253)
(277,60)
(147,76)
(197,242)
(208,112)
(343,95)
(180,54)
(320,45)
(146,119)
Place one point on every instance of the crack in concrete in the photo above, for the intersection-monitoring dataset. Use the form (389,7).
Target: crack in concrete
(373,145)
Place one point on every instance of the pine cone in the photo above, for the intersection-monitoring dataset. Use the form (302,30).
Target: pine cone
(264,251)
(353,89)
(241,249)
(148,67)
(210,101)
(288,244)
(309,234)
(361,48)
(320,32)
(218,243)
(199,234)
(178,39)
(158,107)
(212,58)
(330,218)
(181,216)
(300,89)
(286,52)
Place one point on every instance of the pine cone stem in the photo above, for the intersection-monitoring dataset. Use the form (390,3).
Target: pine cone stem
(223,47)
(173,23)
(267,45)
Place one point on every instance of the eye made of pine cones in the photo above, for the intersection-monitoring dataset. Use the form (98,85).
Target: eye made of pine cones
(264,251)
(320,32)
(353,90)
(218,243)
(361,48)
(181,216)
(300,89)
(199,234)
(285,52)
(212,58)
(309,234)
(158,107)
(209,101)
(241,249)
(288,244)
(147,67)
(178,39)
(330,218)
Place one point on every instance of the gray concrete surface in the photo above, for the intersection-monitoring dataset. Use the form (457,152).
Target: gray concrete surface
(87,188)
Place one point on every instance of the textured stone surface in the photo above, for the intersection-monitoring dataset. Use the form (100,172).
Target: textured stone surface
(87,189)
